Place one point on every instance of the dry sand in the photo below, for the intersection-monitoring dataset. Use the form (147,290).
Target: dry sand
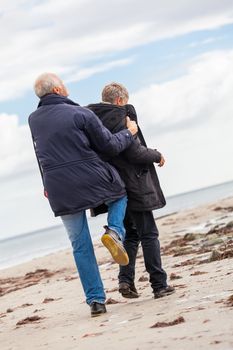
(42,304)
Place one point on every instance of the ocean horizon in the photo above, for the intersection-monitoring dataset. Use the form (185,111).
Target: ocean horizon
(26,246)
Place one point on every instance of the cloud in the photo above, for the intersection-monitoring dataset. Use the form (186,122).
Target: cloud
(16,151)
(190,120)
(87,72)
(67,36)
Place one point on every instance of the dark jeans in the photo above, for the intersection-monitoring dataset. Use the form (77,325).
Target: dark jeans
(141,227)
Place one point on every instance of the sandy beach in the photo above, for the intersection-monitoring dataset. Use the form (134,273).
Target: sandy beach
(42,303)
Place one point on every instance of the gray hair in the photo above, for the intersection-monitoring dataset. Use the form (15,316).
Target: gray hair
(45,84)
(113,91)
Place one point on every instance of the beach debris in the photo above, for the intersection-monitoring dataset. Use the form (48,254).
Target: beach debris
(227,209)
(183,251)
(215,255)
(179,285)
(143,279)
(112,290)
(26,305)
(229,301)
(192,261)
(38,272)
(29,319)
(221,229)
(18,307)
(205,321)
(197,273)
(215,342)
(9,310)
(37,310)
(138,317)
(91,334)
(71,278)
(174,276)
(112,301)
(213,241)
(220,255)
(11,284)
(178,320)
(190,236)
(47,300)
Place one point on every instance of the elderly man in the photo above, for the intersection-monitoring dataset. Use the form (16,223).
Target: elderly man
(67,139)
(135,165)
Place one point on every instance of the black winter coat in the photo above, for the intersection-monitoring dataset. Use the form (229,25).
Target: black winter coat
(135,164)
(67,139)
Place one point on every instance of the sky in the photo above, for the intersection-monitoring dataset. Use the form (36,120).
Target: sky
(174,57)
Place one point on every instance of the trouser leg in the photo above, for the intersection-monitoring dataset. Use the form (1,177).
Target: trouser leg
(116,214)
(131,243)
(84,256)
(148,233)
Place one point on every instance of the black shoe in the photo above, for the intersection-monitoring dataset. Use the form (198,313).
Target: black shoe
(128,291)
(97,309)
(160,293)
(113,243)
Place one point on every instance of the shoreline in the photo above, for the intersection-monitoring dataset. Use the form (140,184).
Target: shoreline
(42,300)
(23,243)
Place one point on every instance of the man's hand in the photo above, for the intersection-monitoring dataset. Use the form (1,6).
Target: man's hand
(132,126)
(162,161)
(45,193)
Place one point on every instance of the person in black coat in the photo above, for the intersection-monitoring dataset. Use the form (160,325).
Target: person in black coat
(135,166)
(67,139)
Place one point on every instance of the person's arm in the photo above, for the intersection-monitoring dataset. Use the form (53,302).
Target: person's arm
(40,167)
(102,140)
(139,154)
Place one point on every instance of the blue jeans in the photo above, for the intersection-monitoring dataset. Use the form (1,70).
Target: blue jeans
(78,231)
(116,215)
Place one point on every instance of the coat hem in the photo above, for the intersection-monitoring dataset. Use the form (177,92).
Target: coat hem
(146,208)
(94,205)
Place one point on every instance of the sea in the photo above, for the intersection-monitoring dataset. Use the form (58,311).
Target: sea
(25,247)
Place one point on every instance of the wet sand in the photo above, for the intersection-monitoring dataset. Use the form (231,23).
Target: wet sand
(42,304)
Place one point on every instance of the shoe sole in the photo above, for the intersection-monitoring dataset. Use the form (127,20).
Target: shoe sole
(129,294)
(164,294)
(98,314)
(118,253)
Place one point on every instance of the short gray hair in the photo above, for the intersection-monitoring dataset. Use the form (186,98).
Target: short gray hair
(45,84)
(114,90)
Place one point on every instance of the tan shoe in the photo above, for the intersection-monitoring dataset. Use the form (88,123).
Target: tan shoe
(113,243)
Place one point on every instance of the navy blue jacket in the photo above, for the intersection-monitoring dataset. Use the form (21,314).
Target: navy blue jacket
(67,139)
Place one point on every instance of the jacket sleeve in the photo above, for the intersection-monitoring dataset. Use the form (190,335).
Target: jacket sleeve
(101,139)
(38,162)
(139,154)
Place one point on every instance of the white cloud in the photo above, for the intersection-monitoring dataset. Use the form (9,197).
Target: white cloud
(190,121)
(16,152)
(87,72)
(66,36)
(207,41)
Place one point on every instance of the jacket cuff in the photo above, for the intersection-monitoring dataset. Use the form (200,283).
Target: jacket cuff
(158,156)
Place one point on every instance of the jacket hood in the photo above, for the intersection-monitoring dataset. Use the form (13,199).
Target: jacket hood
(112,116)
